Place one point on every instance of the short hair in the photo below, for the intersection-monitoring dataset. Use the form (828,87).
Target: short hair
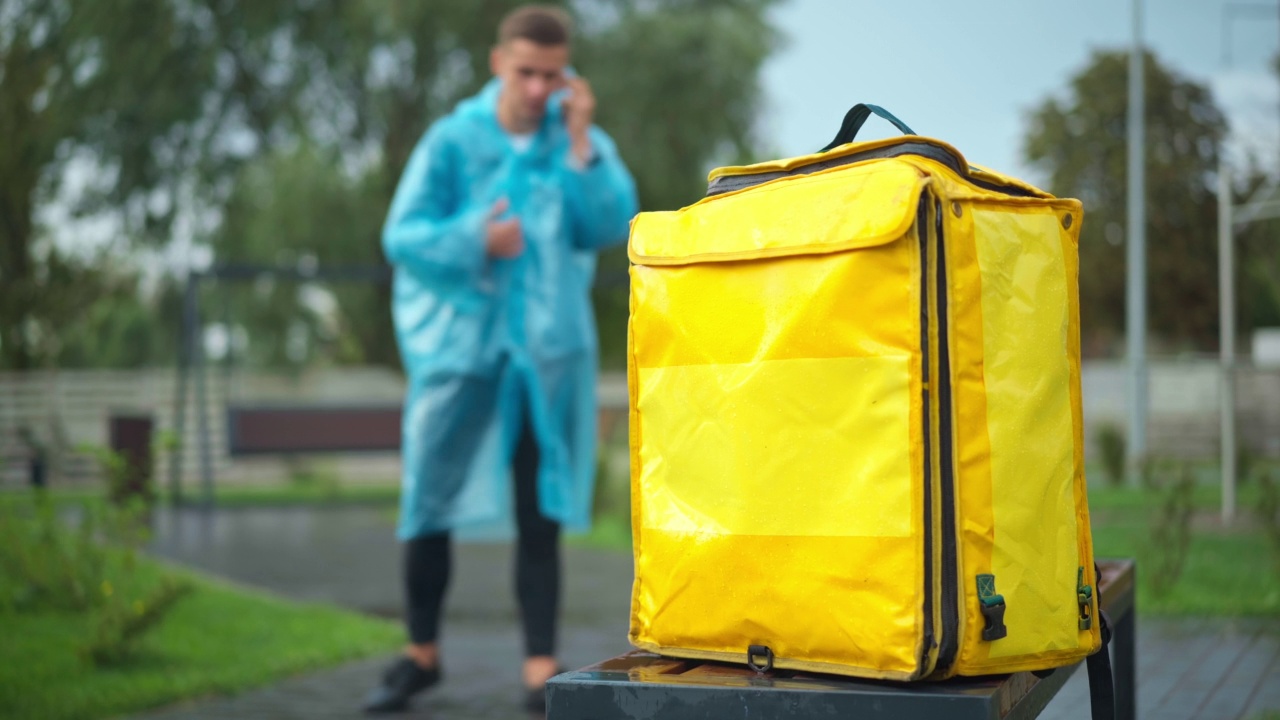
(542,24)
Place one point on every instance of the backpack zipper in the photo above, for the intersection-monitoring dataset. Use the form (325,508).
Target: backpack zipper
(950,587)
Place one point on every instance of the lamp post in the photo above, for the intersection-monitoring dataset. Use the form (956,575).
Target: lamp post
(1227,341)
(1136,259)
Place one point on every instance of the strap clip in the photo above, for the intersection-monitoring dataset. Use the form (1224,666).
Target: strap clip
(1084,596)
(754,651)
(992,607)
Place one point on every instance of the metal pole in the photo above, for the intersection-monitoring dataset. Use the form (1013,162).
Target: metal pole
(1227,341)
(1135,286)
(202,405)
(185,345)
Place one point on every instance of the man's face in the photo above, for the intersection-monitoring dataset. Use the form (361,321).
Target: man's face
(530,73)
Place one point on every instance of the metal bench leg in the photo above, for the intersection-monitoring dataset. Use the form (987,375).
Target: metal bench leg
(1124,642)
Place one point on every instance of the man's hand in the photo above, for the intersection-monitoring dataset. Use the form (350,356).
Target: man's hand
(503,238)
(579,109)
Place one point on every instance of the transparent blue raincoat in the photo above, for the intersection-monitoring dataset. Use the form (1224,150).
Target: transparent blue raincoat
(488,343)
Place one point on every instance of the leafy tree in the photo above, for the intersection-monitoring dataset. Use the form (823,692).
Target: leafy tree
(376,74)
(120,326)
(298,208)
(77,85)
(1079,142)
(285,124)
(1258,247)
(677,88)
(1257,260)
(138,110)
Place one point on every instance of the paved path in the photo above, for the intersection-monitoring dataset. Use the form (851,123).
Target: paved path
(1200,669)
(349,556)
(1206,669)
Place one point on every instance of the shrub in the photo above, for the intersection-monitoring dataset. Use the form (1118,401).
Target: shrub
(82,560)
(1110,443)
(1170,525)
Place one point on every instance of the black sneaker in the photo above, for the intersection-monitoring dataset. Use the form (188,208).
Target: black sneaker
(404,679)
(535,699)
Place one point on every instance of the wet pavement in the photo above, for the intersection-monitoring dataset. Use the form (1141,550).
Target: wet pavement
(349,556)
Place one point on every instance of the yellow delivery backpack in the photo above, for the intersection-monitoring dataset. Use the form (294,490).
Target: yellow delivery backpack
(855,427)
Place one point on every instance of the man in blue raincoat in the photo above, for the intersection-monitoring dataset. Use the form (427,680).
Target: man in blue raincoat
(493,233)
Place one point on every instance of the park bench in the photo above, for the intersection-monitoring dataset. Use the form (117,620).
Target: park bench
(259,430)
(299,429)
(640,685)
(284,430)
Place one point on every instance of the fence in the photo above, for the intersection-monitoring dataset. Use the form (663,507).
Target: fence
(67,410)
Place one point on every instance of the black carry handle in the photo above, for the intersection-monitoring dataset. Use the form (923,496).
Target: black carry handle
(858,115)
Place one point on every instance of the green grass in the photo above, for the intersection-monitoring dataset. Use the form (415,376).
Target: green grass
(1225,573)
(1204,497)
(608,532)
(283,495)
(22,497)
(1228,571)
(251,496)
(218,639)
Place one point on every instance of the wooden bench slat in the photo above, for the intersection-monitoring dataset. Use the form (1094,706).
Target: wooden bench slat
(283,430)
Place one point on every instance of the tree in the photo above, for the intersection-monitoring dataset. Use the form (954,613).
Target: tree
(137,110)
(1079,143)
(77,86)
(299,207)
(1258,247)
(376,75)
(677,88)
(212,111)
(120,326)
(1257,259)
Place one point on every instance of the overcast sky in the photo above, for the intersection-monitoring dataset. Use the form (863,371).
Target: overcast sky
(969,72)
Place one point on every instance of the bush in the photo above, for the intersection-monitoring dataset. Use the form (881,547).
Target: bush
(42,564)
(1268,510)
(82,560)
(122,624)
(1110,441)
(612,498)
(1170,525)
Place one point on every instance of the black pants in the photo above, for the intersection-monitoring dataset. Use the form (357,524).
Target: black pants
(428,558)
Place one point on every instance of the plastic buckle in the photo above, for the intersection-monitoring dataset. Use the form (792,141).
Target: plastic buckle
(991,603)
(759,650)
(994,615)
(1084,596)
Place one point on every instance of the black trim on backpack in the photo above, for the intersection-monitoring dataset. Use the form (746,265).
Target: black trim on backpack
(950,585)
(728,183)
(1102,688)
(921,148)
(922,229)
